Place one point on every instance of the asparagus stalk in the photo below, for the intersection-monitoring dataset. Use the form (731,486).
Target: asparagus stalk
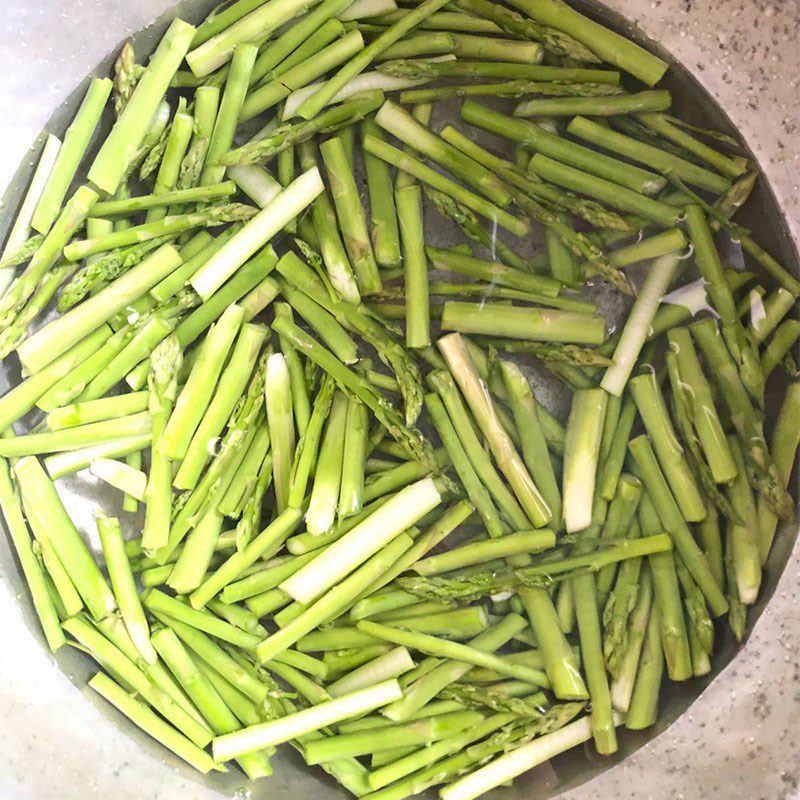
(784,444)
(34,574)
(20,230)
(76,141)
(513,88)
(139,713)
(654,157)
(228,390)
(607,45)
(643,706)
(505,454)
(256,233)
(742,413)
(119,149)
(302,39)
(281,423)
(616,196)
(255,24)
(653,411)
(314,104)
(429,176)
(674,523)
(334,256)
(394,119)
(351,216)
(291,726)
(46,254)
(355,384)
(39,493)
(637,326)
(119,571)
(196,394)
(581,452)
(59,335)
(321,511)
(491,272)
(744,537)
(270,94)
(409,213)
(365,539)
(351,492)
(640,102)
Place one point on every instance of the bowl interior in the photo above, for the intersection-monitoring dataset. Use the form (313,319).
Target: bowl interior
(84,497)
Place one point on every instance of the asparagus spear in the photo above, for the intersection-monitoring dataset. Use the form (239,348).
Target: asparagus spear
(314,104)
(607,45)
(118,151)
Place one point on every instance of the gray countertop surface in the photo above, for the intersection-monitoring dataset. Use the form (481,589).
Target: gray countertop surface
(740,739)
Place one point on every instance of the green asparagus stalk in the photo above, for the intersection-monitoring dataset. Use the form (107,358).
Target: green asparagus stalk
(351,216)
(119,149)
(607,45)
(643,706)
(38,492)
(394,119)
(76,142)
(641,102)
(429,176)
(508,460)
(314,104)
(228,390)
(351,492)
(31,568)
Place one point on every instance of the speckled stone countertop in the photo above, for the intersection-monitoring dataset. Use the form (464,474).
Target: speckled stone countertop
(740,740)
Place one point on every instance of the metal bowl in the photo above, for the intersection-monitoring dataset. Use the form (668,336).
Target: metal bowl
(84,498)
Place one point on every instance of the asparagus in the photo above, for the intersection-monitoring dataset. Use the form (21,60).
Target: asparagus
(616,196)
(39,493)
(351,216)
(314,104)
(785,439)
(595,106)
(197,392)
(119,570)
(384,229)
(508,460)
(365,539)
(491,272)
(163,387)
(291,134)
(421,172)
(607,45)
(653,412)
(291,726)
(636,328)
(742,414)
(139,713)
(301,40)
(230,387)
(493,319)
(483,551)
(119,149)
(351,492)
(46,254)
(273,92)
(19,232)
(744,537)
(34,574)
(75,144)
(59,335)
(239,27)
(643,707)
(332,249)
(394,119)
(355,384)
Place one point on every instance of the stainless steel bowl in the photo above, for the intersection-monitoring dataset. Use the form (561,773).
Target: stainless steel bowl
(141,766)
